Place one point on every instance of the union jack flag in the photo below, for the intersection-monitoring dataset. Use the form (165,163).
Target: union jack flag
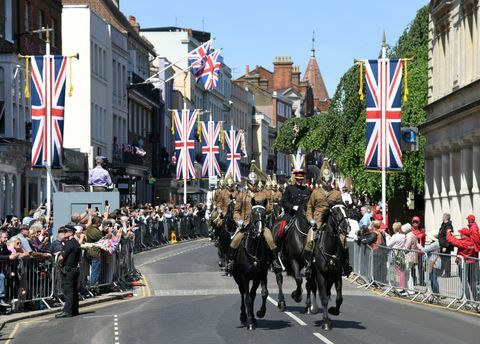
(234,156)
(197,58)
(384,84)
(298,161)
(210,148)
(185,142)
(209,74)
(48,104)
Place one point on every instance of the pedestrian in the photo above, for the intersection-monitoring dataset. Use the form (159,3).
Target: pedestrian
(92,235)
(67,262)
(474,232)
(99,178)
(446,247)
(366,217)
(396,242)
(411,257)
(419,272)
(5,253)
(434,261)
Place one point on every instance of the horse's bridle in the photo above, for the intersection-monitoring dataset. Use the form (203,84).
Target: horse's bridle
(339,223)
(258,225)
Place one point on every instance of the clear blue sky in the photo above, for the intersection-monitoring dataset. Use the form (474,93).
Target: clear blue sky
(255,31)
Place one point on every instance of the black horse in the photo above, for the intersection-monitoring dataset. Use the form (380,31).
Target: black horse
(251,265)
(223,235)
(292,250)
(328,266)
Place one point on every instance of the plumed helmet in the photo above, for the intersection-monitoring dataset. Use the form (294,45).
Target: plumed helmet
(252,178)
(326,171)
(221,182)
(274,181)
(268,183)
(230,181)
(260,184)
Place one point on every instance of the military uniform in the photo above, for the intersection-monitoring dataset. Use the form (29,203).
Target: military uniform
(243,210)
(319,202)
(295,196)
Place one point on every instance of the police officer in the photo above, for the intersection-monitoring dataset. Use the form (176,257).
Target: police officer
(67,262)
(243,210)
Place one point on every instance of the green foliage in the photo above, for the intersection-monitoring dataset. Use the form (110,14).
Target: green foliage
(340,133)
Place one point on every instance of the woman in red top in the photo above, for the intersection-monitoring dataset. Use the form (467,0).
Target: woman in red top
(420,234)
(466,250)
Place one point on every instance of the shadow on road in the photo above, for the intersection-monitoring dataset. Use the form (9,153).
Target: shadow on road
(336,323)
(264,324)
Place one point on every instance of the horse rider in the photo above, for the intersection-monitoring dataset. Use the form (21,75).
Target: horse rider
(243,210)
(220,202)
(294,198)
(321,200)
(276,193)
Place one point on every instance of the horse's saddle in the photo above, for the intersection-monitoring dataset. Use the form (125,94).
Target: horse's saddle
(285,226)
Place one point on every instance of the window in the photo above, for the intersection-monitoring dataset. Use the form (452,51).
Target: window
(53,33)
(2,101)
(26,16)
(6,19)
(41,22)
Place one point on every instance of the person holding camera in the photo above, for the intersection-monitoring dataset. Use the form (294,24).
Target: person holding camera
(67,262)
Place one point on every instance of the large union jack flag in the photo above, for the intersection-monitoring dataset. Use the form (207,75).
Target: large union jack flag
(234,156)
(197,58)
(48,104)
(185,142)
(209,74)
(210,148)
(384,84)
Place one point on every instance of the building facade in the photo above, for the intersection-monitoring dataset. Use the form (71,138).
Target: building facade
(452,129)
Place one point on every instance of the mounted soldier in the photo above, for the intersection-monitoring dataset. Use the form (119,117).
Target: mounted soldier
(320,202)
(296,194)
(243,210)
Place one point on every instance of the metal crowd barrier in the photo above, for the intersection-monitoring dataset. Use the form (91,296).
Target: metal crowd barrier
(413,273)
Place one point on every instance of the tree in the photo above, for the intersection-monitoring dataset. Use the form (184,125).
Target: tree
(340,133)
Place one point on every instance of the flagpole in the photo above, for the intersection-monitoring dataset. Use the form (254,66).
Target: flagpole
(384,126)
(49,128)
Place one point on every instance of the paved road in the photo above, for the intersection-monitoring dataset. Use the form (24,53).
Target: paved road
(191,302)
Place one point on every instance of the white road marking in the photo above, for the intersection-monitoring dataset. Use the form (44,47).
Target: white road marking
(115,327)
(322,338)
(173,255)
(290,314)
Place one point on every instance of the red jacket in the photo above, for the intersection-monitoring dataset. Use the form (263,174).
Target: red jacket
(421,236)
(475,235)
(466,248)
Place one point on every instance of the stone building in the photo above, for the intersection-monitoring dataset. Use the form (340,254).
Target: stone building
(452,129)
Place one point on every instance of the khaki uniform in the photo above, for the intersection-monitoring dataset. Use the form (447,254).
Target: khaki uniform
(319,202)
(243,210)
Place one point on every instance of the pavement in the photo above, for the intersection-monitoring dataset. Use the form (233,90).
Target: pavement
(186,299)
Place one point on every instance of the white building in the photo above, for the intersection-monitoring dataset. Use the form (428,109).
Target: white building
(174,43)
(89,112)
(452,129)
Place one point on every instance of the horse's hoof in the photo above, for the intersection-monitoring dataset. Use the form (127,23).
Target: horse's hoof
(251,327)
(326,327)
(261,313)
(307,310)
(313,310)
(296,298)
(333,311)
(282,306)
(243,318)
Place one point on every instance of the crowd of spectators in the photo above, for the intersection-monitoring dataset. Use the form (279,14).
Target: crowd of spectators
(411,244)
(98,232)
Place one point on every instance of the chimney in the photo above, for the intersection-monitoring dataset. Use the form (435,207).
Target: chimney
(282,72)
(247,71)
(133,22)
(295,75)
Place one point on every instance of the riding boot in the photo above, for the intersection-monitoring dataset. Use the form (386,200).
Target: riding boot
(277,266)
(231,261)
(308,263)
(347,269)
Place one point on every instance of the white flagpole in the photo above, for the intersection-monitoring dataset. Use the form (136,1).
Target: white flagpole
(185,139)
(49,128)
(211,129)
(384,126)
(232,152)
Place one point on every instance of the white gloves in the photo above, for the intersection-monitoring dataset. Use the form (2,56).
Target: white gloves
(295,207)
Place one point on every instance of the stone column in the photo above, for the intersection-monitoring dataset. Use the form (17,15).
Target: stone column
(437,182)
(476,175)
(454,189)
(8,193)
(429,213)
(18,193)
(445,178)
(466,179)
